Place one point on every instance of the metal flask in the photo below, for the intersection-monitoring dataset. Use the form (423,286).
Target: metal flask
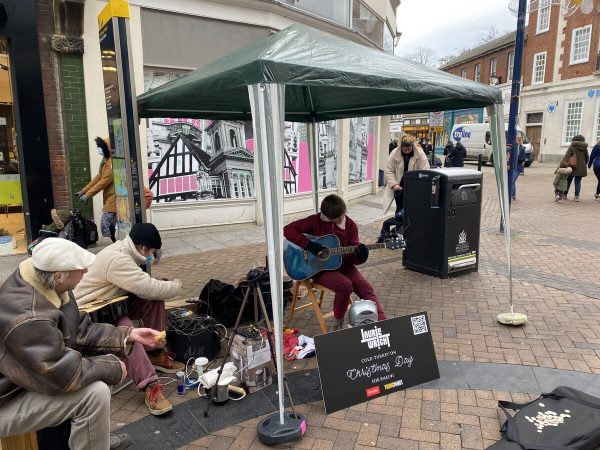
(221,391)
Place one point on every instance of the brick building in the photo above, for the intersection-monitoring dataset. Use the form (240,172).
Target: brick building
(561,79)
(560,94)
(490,63)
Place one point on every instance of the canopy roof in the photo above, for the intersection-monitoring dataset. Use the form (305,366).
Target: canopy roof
(326,78)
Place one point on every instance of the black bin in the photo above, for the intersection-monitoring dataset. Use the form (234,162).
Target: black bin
(442,217)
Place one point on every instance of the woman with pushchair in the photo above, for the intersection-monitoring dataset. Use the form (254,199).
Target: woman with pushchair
(104,182)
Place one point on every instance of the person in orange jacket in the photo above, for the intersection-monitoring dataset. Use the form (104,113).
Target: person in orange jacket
(104,182)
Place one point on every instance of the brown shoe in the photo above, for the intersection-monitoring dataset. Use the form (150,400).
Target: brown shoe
(164,362)
(155,400)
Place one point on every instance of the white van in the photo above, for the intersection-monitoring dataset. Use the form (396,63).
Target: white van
(477,139)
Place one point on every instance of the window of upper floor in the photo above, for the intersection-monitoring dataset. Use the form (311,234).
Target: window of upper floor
(388,40)
(337,11)
(493,68)
(463,73)
(511,65)
(477,72)
(539,68)
(543,16)
(580,45)
(366,22)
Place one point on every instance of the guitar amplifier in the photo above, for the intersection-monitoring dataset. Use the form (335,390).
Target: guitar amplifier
(191,336)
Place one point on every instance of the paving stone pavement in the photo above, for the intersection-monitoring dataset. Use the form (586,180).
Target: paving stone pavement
(556,256)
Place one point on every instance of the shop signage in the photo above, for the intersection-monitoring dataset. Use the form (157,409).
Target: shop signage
(436,119)
(121,112)
(362,363)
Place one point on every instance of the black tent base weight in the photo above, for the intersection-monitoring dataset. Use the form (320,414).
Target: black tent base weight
(271,431)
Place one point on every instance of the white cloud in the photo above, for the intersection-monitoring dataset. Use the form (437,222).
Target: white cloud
(447,26)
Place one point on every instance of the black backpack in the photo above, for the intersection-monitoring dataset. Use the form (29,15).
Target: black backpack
(564,419)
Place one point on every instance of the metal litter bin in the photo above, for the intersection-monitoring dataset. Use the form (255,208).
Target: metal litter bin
(442,217)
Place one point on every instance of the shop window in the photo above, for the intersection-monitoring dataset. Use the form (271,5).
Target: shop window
(12,221)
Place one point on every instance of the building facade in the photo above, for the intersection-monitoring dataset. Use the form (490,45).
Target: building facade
(52,106)
(560,97)
(202,172)
(560,84)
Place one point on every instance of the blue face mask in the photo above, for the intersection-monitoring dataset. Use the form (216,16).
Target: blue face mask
(149,259)
(100,152)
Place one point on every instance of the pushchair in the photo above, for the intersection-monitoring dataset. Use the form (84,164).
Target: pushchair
(394,226)
(70,225)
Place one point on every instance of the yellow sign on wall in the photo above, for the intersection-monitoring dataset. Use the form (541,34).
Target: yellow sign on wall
(10,190)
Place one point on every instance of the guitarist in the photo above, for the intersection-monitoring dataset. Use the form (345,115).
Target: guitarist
(347,279)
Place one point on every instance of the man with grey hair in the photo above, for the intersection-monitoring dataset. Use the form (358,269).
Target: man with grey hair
(55,364)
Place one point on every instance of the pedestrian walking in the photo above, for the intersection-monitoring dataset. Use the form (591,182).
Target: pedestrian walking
(560,180)
(577,157)
(595,164)
(104,182)
(520,166)
(457,156)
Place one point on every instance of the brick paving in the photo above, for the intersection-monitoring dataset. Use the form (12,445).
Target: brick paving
(556,255)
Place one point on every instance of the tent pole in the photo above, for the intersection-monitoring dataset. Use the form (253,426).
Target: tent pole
(268,102)
(500,148)
(313,157)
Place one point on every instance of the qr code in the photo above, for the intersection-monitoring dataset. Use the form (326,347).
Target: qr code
(419,324)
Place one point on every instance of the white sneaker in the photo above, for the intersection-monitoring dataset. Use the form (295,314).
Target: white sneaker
(576,198)
(557,199)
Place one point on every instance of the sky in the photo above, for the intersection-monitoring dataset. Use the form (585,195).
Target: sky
(447,26)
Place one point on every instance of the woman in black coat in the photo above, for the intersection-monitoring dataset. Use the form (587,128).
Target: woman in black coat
(457,155)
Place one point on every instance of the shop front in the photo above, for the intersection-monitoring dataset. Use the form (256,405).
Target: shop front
(25,181)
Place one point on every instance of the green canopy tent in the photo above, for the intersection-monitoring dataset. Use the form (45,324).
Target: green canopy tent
(305,75)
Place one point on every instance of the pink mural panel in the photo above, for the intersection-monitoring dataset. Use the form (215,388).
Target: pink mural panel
(370,150)
(250,145)
(303,168)
(178,184)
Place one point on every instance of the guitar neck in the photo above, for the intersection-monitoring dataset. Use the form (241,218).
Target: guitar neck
(345,250)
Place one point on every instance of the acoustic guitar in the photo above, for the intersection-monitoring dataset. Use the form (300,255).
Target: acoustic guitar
(300,264)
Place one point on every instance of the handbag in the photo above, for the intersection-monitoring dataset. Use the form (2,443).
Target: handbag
(572,162)
(564,419)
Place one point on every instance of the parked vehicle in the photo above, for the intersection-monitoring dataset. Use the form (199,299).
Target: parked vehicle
(477,138)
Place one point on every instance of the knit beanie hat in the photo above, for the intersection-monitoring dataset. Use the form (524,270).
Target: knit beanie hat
(578,138)
(145,234)
(60,217)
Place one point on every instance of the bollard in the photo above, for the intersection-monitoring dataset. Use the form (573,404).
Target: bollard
(479,163)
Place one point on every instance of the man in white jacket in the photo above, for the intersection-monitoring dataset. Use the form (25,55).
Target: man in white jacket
(117,271)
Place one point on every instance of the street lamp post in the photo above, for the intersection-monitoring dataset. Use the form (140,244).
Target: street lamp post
(514,97)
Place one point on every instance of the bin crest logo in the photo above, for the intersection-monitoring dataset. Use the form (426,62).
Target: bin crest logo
(462,237)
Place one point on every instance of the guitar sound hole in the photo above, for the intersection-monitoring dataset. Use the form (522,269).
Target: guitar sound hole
(324,255)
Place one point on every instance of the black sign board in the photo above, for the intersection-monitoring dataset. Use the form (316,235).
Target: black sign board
(362,363)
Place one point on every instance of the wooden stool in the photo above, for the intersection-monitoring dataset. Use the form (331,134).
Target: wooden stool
(314,302)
